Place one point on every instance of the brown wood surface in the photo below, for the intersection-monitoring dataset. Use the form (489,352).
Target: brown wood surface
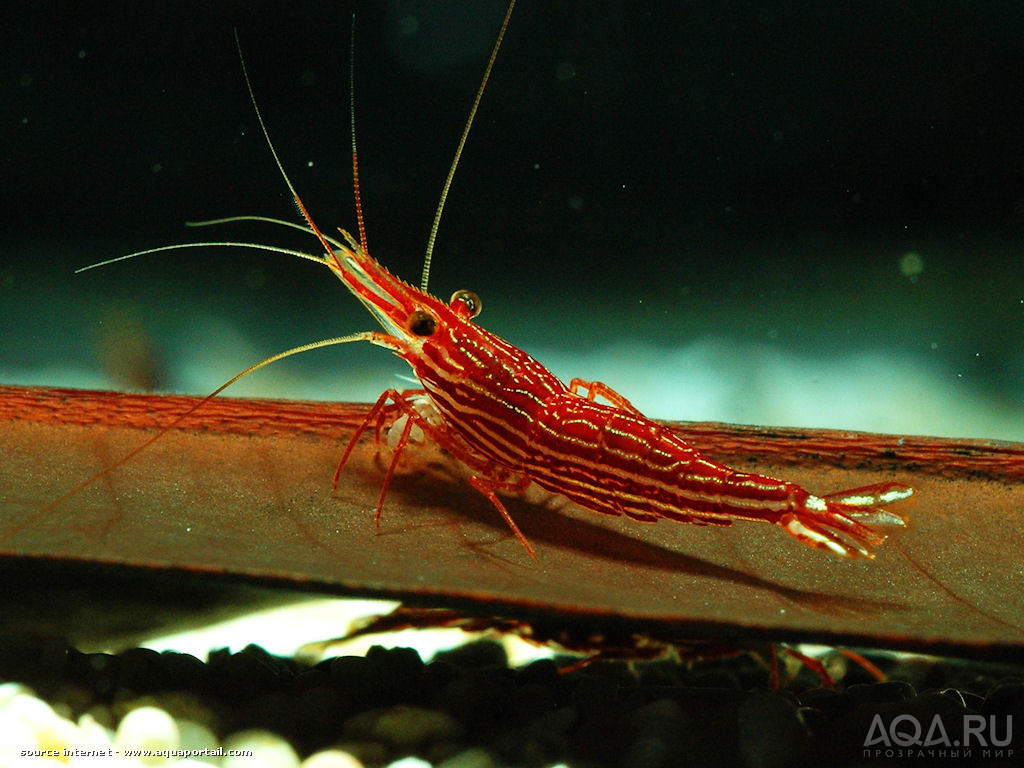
(242,489)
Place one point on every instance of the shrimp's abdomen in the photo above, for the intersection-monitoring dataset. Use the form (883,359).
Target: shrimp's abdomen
(616,462)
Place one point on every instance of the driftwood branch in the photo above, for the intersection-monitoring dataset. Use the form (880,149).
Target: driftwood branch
(242,489)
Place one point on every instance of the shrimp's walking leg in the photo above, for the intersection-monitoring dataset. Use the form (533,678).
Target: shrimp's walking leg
(487,489)
(489,476)
(374,412)
(382,410)
(595,389)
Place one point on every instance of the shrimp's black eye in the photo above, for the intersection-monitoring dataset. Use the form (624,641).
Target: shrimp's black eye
(466,304)
(421,323)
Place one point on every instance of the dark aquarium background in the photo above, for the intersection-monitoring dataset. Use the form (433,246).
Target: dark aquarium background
(785,213)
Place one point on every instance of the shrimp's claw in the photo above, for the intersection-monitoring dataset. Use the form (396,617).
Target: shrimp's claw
(838,522)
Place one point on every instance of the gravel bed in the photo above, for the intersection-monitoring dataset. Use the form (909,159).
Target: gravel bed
(468,709)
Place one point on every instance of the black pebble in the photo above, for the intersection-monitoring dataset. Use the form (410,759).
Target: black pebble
(770,732)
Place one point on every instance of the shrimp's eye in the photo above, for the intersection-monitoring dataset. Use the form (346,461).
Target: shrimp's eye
(421,323)
(466,304)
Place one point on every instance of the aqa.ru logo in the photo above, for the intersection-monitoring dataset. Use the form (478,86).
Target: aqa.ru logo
(906,731)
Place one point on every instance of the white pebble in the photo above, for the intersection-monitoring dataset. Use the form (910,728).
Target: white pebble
(193,735)
(148,728)
(92,736)
(9,690)
(268,749)
(14,737)
(50,731)
(409,762)
(93,732)
(331,758)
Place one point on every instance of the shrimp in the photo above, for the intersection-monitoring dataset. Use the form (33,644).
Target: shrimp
(514,424)
(589,643)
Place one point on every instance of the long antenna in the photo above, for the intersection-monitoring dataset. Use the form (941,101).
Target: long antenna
(352,121)
(458,152)
(324,240)
(270,145)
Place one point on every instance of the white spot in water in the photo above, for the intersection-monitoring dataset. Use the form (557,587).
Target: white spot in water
(911,265)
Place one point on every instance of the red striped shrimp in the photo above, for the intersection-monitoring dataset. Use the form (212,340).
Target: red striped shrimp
(514,424)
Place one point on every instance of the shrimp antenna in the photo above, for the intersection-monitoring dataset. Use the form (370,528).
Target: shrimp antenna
(331,257)
(266,135)
(458,151)
(352,121)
